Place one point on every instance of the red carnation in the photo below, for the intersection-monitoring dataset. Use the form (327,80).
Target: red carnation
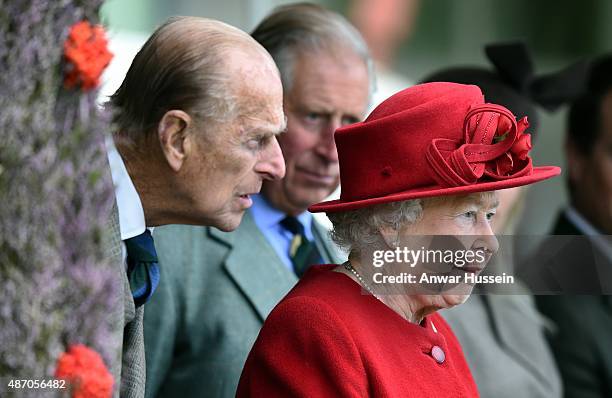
(85,371)
(87,55)
(522,143)
(522,146)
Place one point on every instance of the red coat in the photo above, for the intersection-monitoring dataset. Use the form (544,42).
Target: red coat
(326,339)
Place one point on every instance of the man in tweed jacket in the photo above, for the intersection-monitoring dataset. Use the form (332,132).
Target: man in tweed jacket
(197,118)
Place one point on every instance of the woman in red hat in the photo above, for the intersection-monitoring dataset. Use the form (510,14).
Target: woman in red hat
(423,165)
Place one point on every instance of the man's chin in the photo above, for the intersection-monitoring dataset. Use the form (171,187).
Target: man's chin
(308,197)
(230,222)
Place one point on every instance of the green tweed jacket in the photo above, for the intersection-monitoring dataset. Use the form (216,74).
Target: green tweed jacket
(128,369)
(216,290)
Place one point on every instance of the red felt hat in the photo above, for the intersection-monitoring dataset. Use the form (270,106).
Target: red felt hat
(433,139)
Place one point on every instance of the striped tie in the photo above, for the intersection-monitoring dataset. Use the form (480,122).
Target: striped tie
(303,253)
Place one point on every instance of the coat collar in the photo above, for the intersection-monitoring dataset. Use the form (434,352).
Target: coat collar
(330,252)
(114,247)
(254,266)
(504,311)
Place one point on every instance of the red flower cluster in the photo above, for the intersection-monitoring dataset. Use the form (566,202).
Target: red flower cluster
(85,371)
(494,147)
(522,144)
(87,55)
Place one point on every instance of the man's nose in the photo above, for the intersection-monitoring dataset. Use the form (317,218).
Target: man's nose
(272,164)
(326,146)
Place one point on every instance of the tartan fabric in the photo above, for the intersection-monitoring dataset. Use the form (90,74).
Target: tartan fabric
(143,267)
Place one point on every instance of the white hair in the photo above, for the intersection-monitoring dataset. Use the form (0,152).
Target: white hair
(356,228)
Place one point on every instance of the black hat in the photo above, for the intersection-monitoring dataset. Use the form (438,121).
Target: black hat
(513,83)
(585,115)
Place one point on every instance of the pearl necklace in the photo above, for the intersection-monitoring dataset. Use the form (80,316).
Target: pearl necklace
(347,265)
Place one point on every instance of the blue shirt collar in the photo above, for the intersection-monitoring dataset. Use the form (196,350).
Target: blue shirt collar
(267,216)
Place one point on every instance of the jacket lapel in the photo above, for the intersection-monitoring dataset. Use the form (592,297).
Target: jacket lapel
(570,251)
(254,266)
(329,251)
(128,365)
(522,343)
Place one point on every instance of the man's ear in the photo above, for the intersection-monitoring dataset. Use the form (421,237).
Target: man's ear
(172,132)
(575,161)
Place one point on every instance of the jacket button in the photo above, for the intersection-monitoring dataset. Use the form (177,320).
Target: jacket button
(438,354)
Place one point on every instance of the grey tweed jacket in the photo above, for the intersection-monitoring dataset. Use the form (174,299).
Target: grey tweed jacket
(128,368)
(502,337)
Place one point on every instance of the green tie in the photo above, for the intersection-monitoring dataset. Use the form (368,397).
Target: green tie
(303,253)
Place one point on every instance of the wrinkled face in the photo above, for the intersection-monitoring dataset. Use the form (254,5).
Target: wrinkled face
(591,175)
(235,157)
(462,222)
(328,91)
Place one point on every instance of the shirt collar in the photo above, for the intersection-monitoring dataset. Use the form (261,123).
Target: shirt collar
(131,214)
(600,240)
(267,216)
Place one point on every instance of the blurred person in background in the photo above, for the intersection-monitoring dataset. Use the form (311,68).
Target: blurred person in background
(184,113)
(385,26)
(423,165)
(217,288)
(579,263)
(509,356)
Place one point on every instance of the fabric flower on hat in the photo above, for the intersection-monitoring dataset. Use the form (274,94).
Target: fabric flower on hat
(494,147)
(85,371)
(503,165)
(515,158)
(86,54)
(522,144)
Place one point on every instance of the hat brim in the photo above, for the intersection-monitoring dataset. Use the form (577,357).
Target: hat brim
(538,174)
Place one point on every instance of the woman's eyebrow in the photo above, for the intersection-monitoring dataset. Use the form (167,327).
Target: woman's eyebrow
(487,204)
(479,202)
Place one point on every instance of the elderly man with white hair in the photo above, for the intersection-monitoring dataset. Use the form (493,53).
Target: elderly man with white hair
(197,118)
